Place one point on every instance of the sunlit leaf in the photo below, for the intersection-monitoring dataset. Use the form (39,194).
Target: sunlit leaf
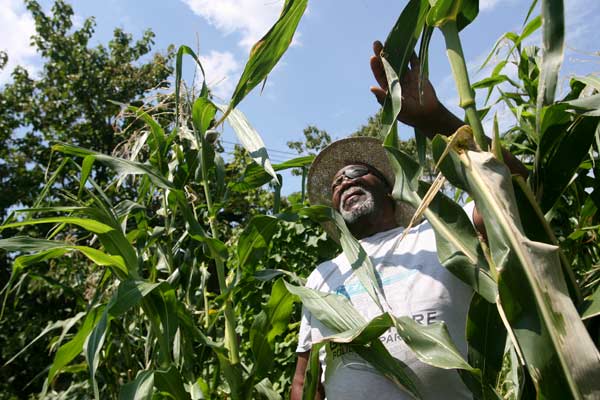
(553,33)
(250,139)
(269,49)
(560,355)
(403,37)
(255,239)
(141,388)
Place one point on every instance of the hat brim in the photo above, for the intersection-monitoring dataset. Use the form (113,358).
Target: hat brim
(359,149)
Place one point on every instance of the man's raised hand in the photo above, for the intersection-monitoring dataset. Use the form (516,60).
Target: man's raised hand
(426,114)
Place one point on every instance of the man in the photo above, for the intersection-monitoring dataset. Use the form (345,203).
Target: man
(353,176)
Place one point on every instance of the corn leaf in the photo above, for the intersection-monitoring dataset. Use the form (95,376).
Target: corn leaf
(486,337)
(456,240)
(268,324)
(265,388)
(129,294)
(357,257)
(255,176)
(403,37)
(461,12)
(141,388)
(178,70)
(560,355)
(170,381)
(592,307)
(393,101)
(68,351)
(312,375)
(268,50)
(553,34)
(122,166)
(255,239)
(250,139)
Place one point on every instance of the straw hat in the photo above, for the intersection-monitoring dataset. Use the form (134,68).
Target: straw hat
(359,149)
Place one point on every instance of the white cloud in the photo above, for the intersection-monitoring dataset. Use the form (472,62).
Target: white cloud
(221,70)
(486,5)
(250,18)
(581,20)
(16,28)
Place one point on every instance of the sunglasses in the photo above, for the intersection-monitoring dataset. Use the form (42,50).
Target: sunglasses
(356,171)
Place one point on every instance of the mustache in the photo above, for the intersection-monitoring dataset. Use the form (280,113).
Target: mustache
(352,191)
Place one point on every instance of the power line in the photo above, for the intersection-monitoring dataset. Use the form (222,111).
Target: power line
(268,149)
(275,160)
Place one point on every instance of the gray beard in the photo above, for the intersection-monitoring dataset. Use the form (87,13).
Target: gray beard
(365,208)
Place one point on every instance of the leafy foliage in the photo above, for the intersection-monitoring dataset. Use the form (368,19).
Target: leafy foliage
(165,271)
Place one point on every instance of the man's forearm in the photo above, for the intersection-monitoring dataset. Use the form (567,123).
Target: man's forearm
(442,122)
(446,123)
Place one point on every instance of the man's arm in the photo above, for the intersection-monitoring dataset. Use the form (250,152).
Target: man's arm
(428,115)
(298,380)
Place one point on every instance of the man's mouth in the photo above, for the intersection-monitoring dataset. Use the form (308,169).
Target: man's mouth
(351,196)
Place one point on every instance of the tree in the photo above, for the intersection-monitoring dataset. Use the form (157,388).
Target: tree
(70,100)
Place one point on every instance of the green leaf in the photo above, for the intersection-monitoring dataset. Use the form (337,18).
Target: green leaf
(65,325)
(129,294)
(169,382)
(463,12)
(250,139)
(357,257)
(486,337)
(392,368)
(555,168)
(120,165)
(312,375)
(158,133)
(92,346)
(589,105)
(87,224)
(553,33)
(233,376)
(393,101)
(262,352)
(279,309)
(333,310)
(269,274)
(265,388)
(431,344)
(203,112)
(403,37)
(86,170)
(268,50)
(255,176)
(49,249)
(68,351)
(26,243)
(178,70)
(560,355)
(141,388)
(591,308)
(255,239)
(457,244)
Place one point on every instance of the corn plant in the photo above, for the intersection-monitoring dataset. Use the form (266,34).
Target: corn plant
(158,322)
(525,332)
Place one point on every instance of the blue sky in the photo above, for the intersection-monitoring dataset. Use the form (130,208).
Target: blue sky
(324,77)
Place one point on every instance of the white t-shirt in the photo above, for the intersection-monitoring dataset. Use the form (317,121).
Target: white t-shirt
(414,284)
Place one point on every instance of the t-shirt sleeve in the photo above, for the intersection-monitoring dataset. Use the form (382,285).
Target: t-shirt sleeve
(304,336)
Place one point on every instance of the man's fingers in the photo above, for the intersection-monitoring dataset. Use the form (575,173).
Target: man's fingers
(377,48)
(378,71)
(379,94)
(415,63)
